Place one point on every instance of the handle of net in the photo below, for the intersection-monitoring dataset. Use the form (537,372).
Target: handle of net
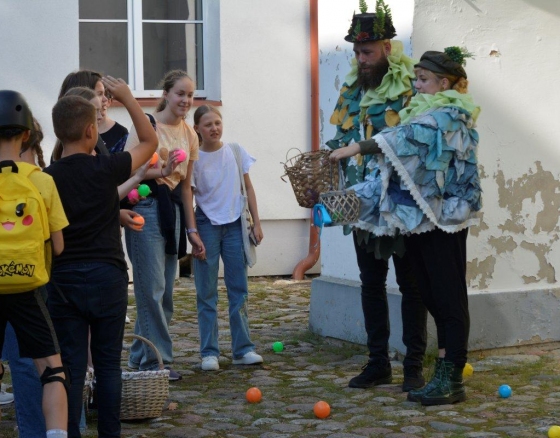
(321,217)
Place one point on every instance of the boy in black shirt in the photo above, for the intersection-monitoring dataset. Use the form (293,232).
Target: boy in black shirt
(89,280)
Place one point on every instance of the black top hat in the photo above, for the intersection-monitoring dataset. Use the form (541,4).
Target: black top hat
(449,62)
(371,26)
(14,111)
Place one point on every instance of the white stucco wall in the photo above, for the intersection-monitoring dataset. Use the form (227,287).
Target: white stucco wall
(38,48)
(265,93)
(513,77)
(335,57)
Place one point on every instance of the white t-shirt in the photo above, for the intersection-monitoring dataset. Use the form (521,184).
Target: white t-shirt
(216,184)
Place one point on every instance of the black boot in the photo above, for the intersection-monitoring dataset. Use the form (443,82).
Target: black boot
(413,379)
(374,373)
(448,389)
(415,395)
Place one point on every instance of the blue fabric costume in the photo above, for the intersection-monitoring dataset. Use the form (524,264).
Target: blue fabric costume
(359,114)
(427,176)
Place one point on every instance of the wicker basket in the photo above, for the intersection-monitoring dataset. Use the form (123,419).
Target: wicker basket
(144,393)
(343,206)
(87,392)
(309,175)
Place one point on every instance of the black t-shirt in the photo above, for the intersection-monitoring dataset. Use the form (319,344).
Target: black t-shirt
(114,134)
(87,186)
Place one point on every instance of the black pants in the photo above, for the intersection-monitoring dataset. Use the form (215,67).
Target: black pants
(440,265)
(373,275)
(96,298)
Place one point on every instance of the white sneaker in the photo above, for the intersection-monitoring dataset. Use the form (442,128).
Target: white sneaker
(210,363)
(6,397)
(250,358)
(127,319)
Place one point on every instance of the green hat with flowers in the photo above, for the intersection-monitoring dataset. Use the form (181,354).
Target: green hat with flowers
(371,26)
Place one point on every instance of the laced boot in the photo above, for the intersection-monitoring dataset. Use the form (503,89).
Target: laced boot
(449,388)
(374,373)
(415,395)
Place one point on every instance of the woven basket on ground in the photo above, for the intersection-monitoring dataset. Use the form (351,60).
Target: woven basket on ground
(144,393)
(309,176)
(87,392)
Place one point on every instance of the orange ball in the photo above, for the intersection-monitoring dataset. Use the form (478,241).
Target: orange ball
(321,409)
(253,395)
(140,221)
(154,160)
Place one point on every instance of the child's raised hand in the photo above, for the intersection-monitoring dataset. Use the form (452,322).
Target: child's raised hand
(118,88)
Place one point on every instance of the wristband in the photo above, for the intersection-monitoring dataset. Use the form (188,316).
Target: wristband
(191,230)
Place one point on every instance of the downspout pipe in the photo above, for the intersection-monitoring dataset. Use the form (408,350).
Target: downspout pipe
(314,242)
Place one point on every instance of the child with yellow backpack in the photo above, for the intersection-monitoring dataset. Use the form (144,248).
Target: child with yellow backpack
(29,218)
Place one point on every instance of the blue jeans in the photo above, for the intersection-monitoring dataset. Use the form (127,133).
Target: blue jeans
(154,276)
(225,241)
(95,298)
(28,392)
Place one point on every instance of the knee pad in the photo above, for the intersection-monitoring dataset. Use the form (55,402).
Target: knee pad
(49,376)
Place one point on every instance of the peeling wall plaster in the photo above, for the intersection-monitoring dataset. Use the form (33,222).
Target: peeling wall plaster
(516,246)
(532,206)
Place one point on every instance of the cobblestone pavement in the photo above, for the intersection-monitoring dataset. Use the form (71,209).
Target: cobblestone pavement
(311,368)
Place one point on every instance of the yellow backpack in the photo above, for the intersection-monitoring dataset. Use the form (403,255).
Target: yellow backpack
(24,230)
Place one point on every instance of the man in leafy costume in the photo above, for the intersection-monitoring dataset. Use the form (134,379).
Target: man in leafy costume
(376,89)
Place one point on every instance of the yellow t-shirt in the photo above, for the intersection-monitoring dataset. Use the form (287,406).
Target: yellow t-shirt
(47,188)
(181,136)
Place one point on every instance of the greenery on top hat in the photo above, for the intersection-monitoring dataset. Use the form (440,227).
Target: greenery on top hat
(383,13)
(363,6)
(371,26)
(458,54)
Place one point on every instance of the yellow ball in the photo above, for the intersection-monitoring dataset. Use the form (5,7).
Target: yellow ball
(554,432)
(468,370)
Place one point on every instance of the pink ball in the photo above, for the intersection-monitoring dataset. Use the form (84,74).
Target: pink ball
(133,195)
(180,154)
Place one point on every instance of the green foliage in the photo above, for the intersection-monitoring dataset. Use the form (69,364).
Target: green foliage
(363,6)
(387,11)
(357,29)
(458,54)
(382,13)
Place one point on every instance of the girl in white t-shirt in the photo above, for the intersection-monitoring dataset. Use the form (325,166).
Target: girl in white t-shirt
(219,202)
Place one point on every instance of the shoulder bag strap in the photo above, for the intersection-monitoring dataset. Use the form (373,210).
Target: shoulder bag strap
(152,120)
(237,153)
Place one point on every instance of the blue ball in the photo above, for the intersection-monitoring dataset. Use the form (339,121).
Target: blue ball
(504,391)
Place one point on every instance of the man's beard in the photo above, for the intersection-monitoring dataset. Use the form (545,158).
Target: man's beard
(371,79)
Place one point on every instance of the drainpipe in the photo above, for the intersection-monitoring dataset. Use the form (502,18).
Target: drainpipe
(314,242)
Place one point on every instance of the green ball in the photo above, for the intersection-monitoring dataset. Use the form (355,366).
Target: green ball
(278,347)
(144,190)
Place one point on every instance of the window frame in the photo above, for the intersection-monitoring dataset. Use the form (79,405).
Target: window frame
(210,40)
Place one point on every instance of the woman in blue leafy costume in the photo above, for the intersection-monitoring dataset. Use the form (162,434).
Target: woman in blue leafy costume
(427,187)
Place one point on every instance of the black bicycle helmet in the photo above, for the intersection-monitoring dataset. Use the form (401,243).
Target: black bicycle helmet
(14,111)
